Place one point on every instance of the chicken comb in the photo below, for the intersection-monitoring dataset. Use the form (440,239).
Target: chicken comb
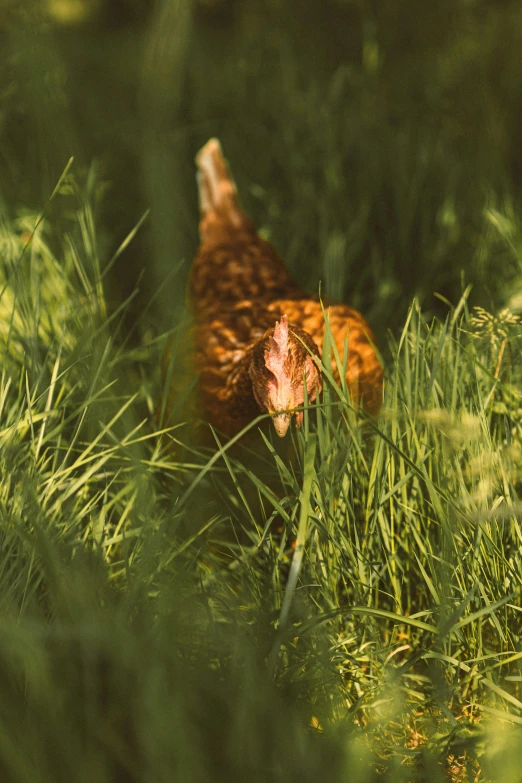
(277,352)
(217,189)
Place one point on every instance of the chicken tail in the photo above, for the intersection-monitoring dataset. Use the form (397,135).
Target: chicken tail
(217,189)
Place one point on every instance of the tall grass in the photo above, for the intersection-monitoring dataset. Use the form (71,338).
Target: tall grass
(344,605)
(348,608)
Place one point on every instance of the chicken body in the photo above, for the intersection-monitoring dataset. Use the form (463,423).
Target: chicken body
(246,307)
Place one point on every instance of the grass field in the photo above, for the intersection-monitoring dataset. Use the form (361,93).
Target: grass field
(342,607)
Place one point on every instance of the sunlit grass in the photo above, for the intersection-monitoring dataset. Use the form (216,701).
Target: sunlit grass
(356,589)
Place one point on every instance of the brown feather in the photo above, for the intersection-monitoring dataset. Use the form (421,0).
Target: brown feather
(242,295)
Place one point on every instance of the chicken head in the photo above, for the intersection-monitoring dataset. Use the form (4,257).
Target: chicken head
(281,365)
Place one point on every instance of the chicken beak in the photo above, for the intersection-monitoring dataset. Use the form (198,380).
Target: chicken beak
(281,423)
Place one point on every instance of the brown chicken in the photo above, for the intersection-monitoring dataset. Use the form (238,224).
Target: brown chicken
(258,336)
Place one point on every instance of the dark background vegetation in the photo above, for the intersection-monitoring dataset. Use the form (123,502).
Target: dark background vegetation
(367,138)
(156,623)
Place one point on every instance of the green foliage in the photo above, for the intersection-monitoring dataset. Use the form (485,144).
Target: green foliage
(351,604)
(343,605)
(369,140)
